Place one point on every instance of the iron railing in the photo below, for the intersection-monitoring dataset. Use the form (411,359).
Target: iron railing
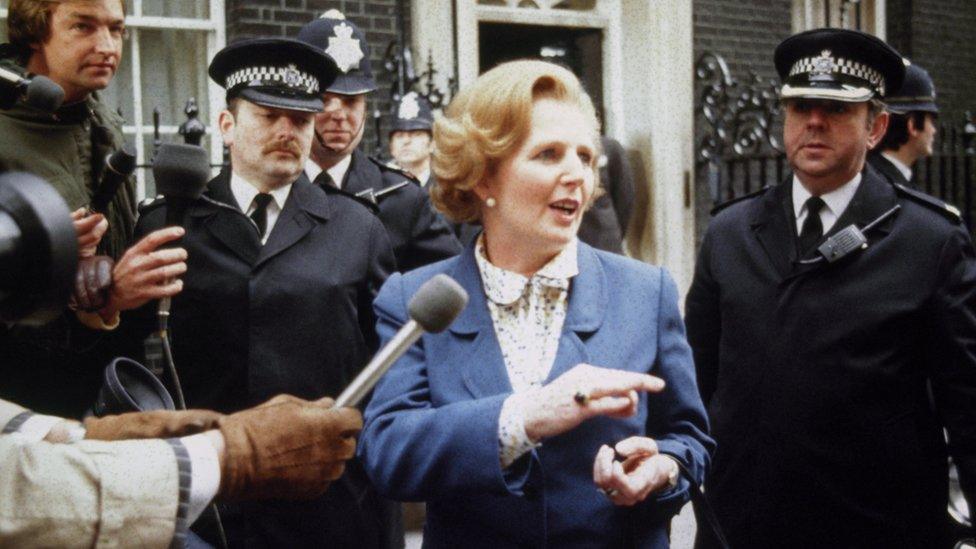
(737,150)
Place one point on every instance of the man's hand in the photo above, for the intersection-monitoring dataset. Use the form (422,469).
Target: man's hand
(90,229)
(155,424)
(287,448)
(92,282)
(146,272)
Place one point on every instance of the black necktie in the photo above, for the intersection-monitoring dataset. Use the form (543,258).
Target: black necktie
(324,179)
(812,226)
(260,213)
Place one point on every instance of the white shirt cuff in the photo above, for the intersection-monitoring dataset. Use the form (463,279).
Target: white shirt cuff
(513,442)
(205,473)
(36,427)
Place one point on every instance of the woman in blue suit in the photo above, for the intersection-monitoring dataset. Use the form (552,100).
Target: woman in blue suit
(557,408)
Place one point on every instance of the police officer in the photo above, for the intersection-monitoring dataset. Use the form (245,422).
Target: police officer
(418,234)
(911,126)
(292,270)
(411,141)
(814,348)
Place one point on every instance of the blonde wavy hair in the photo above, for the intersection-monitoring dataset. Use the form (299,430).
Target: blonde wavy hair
(488,121)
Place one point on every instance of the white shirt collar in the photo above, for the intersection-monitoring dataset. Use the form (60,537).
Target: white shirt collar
(337,172)
(836,202)
(505,287)
(424,177)
(905,170)
(245,192)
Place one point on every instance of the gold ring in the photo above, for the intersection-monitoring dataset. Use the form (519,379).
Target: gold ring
(609,492)
(581,397)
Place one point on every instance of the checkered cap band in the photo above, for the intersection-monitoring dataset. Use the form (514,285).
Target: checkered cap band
(274,76)
(842,66)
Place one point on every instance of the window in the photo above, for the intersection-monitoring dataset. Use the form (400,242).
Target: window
(164,63)
(865,15)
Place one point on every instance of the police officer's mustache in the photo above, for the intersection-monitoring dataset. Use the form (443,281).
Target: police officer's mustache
(290,147)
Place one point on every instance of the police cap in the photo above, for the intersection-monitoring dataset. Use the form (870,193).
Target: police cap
(917,92)
(343,41)
(412,112)
(837,64)
(274,72)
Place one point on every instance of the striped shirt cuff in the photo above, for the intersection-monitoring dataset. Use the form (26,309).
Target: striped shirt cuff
(185,469)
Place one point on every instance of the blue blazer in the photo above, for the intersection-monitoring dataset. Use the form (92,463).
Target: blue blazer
(431,429)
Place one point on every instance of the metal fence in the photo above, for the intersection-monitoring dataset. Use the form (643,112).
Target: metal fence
(738,152)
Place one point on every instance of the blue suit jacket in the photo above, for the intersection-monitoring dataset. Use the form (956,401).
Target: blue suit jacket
(431,429)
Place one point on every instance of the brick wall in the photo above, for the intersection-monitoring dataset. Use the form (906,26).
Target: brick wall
(745,35)
(943,42)
(377,18)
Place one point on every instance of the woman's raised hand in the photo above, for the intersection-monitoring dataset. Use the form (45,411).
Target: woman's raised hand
(579,394)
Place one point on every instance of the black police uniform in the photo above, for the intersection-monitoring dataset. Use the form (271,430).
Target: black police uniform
(604,225)
(887,170)
(916,94)
(815,375)
(293,315)
(418,234)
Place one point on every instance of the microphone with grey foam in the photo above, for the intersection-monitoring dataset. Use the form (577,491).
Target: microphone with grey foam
(181,173)
(432,309)
(40,92)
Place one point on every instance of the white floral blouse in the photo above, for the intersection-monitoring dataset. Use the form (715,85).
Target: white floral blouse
(528,316)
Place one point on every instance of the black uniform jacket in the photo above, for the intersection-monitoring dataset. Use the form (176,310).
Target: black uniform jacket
(293,316)
(815,376)
(887,169)
(604,225)
(418,234)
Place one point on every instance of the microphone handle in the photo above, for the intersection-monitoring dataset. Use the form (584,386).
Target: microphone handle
(11,77)
(107,189)
(384,358)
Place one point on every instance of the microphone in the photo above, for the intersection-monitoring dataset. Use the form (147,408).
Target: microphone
(118,166)
(39,92)
(432,309)
(181,173)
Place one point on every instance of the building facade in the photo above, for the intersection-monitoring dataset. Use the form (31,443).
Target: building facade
(636,57)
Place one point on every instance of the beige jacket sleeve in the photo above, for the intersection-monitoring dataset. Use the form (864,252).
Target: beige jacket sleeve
(8,411)
(87,494)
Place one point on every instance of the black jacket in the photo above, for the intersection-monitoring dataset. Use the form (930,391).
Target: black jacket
(418,234)
(815,377)
(887,169)
(293,316)
(604,225)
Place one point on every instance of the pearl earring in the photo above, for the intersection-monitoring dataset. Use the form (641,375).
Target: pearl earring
(490,202)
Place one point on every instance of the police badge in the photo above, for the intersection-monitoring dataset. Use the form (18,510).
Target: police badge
(823,65)
(344,49)
(409,107)
(292,77)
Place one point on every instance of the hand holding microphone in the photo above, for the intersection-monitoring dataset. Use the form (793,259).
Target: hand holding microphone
(432,309)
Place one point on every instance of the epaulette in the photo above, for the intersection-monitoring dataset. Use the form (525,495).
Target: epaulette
(150,203)
(947,210)
(370,205)
(737,199)
(395,169)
